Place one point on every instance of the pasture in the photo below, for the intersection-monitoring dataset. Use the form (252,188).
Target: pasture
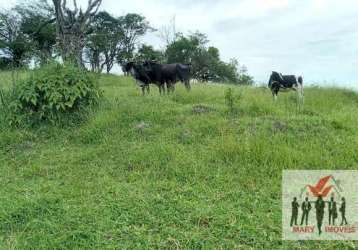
(178,171)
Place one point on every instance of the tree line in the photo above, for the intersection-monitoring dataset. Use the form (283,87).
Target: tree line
(39,32)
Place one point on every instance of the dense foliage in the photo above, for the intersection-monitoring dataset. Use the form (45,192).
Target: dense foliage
(13,43)
(205,60)
(36,24)
(36,32)
(148,53)
(113,39)
(52,91)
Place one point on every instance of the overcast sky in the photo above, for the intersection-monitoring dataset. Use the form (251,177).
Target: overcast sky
(315,38)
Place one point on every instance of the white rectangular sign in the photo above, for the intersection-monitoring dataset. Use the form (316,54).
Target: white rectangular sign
(320,205)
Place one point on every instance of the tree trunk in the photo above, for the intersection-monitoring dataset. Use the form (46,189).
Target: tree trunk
(72,26)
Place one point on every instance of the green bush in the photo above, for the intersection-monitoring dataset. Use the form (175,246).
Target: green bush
(231,99)
(51,92)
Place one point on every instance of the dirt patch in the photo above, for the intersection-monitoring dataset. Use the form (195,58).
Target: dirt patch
(141,126)
(279,126)
(202,109)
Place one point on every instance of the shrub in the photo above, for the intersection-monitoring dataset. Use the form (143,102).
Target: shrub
(5,63)
(231,100)
(51,92)
(245,79)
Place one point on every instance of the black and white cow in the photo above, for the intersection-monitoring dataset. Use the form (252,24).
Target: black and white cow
(279,82)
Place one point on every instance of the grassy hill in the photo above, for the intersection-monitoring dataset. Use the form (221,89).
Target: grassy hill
(174,172)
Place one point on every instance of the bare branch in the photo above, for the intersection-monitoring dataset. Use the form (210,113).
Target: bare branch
(75,4)
(73,26)
(92,5)
(4,36)
(64,3)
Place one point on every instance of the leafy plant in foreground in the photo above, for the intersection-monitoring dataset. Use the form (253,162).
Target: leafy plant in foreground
(51,92)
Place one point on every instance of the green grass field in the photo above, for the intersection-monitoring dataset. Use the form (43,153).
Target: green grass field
(170,172)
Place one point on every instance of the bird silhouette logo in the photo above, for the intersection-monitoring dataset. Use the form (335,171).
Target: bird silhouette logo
(320,188)
(323,188)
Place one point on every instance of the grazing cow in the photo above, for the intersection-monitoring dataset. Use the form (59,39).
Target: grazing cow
(170,73)
(144,77)
(279,82)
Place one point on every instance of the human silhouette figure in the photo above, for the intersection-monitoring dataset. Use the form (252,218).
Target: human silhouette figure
(332,211)
(306,207)
(294,215)
(319,213)
(342,209)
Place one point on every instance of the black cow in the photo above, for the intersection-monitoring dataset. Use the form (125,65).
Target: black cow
(170,73)
(144,76)
(159,74)
(279,82)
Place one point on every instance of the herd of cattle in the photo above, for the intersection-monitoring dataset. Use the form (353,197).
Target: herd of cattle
(166,75)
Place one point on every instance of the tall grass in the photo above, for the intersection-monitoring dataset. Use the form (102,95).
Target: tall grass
(171,171)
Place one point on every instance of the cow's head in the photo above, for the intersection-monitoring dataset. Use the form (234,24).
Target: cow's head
(138,71)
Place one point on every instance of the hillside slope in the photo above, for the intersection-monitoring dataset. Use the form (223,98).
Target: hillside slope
(175,171)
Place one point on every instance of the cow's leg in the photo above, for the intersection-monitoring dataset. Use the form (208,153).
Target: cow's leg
(147,88)
(274,90)
(143,90)
(296,87)
(168,85)
(300,90)
(187,85)
(274,93)
(162,88)
(171,87)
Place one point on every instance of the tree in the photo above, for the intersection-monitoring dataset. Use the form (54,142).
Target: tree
(114,38)
(167,33)
(37,23)
(214,53)
(206,62)
(13,43)
(102,43)
(190,49)
(72,26)
(148,53)
(93,52)
(132,26)
(5,63)
(244,77)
